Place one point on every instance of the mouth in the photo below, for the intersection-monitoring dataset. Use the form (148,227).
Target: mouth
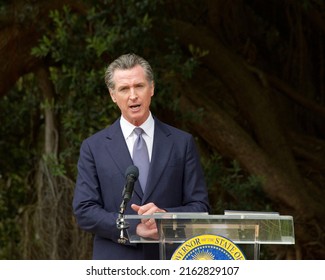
(135,107)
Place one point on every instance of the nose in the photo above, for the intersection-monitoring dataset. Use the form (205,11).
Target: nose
(133,94)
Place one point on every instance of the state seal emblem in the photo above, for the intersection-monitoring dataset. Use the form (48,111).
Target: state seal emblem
(208,247)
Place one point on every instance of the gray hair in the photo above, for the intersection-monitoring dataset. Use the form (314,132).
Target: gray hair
(125,62)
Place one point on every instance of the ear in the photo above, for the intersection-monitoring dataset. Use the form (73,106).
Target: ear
(152,88)
(112,95)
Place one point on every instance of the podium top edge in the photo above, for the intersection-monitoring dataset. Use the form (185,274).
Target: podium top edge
(206,216)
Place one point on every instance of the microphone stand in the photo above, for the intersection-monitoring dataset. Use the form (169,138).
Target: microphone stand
(121,223)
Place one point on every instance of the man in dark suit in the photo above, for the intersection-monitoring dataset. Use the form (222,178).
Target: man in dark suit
(175,181)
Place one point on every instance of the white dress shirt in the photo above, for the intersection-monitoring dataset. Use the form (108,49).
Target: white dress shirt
(129,135)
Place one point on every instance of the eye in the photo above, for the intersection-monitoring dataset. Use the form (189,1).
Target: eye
(122,89)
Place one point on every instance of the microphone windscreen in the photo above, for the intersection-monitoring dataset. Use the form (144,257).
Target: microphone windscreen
(133,171)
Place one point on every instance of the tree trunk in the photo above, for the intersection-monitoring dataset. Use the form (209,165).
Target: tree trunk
(20,30)
(270,157)
(51,125)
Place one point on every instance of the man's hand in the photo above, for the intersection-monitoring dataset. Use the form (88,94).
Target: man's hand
(148,227)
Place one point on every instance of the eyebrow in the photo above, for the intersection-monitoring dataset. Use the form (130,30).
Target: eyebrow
(128,86)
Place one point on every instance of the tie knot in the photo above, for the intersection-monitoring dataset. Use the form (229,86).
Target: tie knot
(138,131)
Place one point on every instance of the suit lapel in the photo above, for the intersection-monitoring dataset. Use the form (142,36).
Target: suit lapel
(162,146)
(119,152)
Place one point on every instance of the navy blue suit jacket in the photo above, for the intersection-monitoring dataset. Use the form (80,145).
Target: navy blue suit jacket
(175,183)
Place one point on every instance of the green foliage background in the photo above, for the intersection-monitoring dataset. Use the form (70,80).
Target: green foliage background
(79,48)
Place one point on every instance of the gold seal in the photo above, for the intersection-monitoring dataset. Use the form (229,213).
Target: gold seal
(208,247)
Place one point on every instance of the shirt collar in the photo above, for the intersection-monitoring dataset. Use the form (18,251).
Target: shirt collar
(147,126)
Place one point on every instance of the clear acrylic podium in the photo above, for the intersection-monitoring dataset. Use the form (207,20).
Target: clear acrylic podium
(248,230)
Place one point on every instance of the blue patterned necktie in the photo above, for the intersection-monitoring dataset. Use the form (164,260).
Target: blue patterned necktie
(141,157)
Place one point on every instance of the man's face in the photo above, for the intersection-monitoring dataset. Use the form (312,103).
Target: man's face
(132,94)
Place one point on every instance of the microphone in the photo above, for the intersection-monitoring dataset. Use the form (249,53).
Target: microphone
(131,174)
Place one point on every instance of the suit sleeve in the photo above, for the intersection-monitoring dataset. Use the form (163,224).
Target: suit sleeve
(87,202)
